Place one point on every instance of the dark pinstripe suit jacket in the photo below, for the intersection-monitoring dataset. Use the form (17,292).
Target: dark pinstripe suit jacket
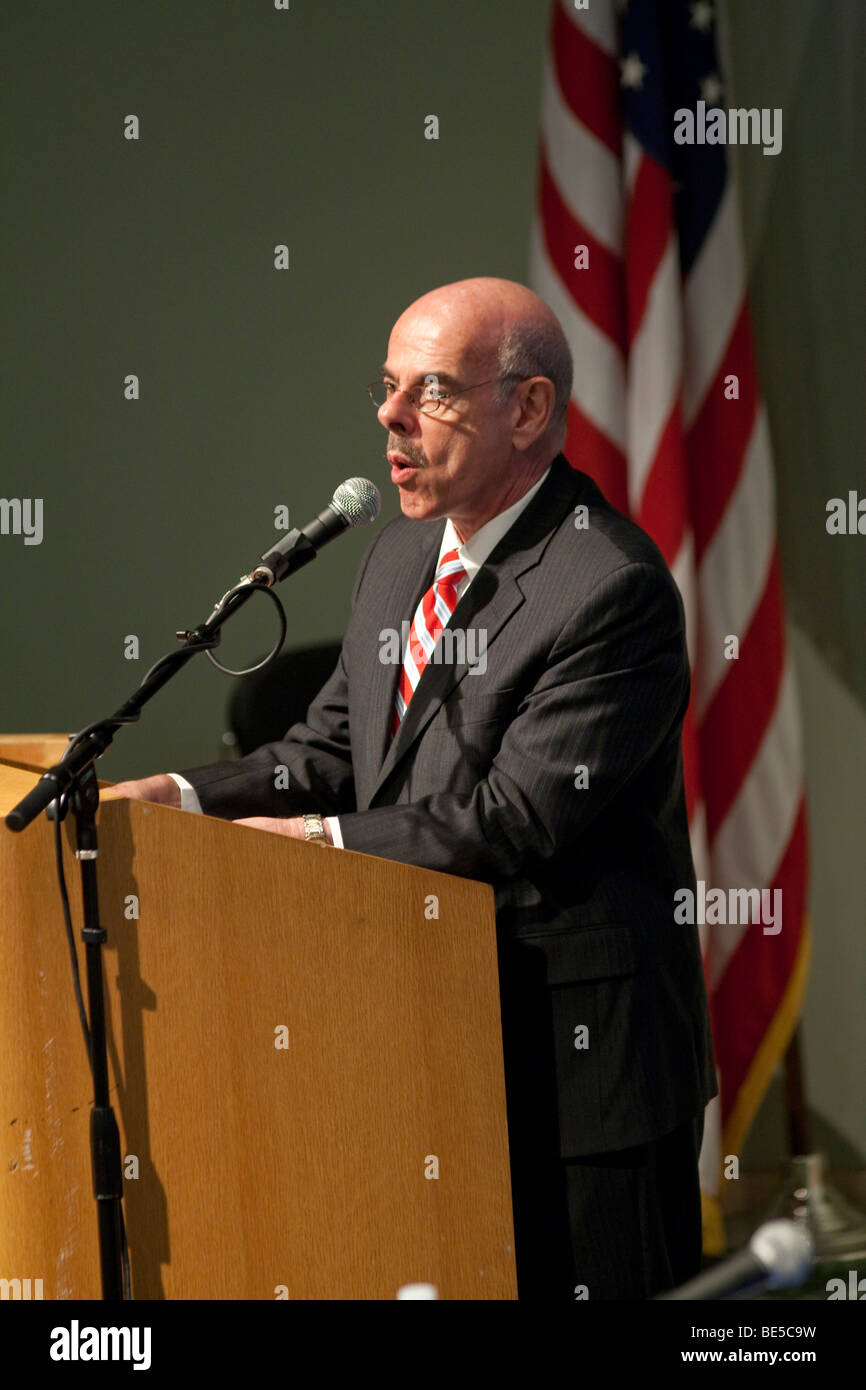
(586,667)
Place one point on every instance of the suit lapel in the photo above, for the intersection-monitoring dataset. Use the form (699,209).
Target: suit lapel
(414,563)
(491,600)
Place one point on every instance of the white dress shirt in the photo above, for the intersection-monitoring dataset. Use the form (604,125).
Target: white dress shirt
(471,554)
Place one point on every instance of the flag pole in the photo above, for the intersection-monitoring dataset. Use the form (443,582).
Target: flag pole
(836,1227)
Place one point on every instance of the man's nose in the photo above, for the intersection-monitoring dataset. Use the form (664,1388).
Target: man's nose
(397,415)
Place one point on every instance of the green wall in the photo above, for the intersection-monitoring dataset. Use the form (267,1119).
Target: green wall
(155,257)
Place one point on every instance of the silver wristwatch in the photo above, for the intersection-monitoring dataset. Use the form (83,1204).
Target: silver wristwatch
(314,829)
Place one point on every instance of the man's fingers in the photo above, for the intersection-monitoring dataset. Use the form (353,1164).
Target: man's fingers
(293,827)
(160,788)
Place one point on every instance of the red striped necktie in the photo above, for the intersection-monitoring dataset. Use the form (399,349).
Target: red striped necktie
(431,616)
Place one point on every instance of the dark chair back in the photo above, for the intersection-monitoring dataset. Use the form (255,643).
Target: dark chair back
(265,704)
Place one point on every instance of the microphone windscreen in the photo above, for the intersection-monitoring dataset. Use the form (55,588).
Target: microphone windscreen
(786,1250)
(358,500)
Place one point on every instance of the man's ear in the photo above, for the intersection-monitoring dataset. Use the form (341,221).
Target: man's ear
(536,399)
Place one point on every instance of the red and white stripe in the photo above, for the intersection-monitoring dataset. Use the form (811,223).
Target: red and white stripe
(431,616)
(650,422)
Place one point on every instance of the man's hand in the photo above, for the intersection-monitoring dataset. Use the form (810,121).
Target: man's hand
(293,826)
(160,788)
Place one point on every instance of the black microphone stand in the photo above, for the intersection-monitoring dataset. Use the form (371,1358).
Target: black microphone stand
(104,1136)
(73,782)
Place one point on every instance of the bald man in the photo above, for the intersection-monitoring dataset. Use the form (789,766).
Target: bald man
(525,731)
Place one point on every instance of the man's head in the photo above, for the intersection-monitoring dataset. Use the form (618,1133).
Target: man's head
(499,358)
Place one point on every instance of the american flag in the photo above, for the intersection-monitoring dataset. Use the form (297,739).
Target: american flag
(636,247)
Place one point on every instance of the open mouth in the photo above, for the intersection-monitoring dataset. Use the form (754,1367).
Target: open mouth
(401,468)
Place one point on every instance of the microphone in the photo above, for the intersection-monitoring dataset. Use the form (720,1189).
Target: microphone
(355,502)
(779,1256)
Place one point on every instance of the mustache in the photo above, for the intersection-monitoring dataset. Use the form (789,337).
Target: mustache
(409,451)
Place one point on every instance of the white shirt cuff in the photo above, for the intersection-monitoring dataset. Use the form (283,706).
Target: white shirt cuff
(189,802)
(188,797)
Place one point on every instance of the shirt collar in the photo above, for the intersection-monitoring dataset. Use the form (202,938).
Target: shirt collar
(473,553)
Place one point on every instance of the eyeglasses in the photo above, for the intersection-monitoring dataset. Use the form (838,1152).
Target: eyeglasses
(429,398)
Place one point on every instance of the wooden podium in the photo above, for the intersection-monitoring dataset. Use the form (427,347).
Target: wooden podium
(306,1060)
